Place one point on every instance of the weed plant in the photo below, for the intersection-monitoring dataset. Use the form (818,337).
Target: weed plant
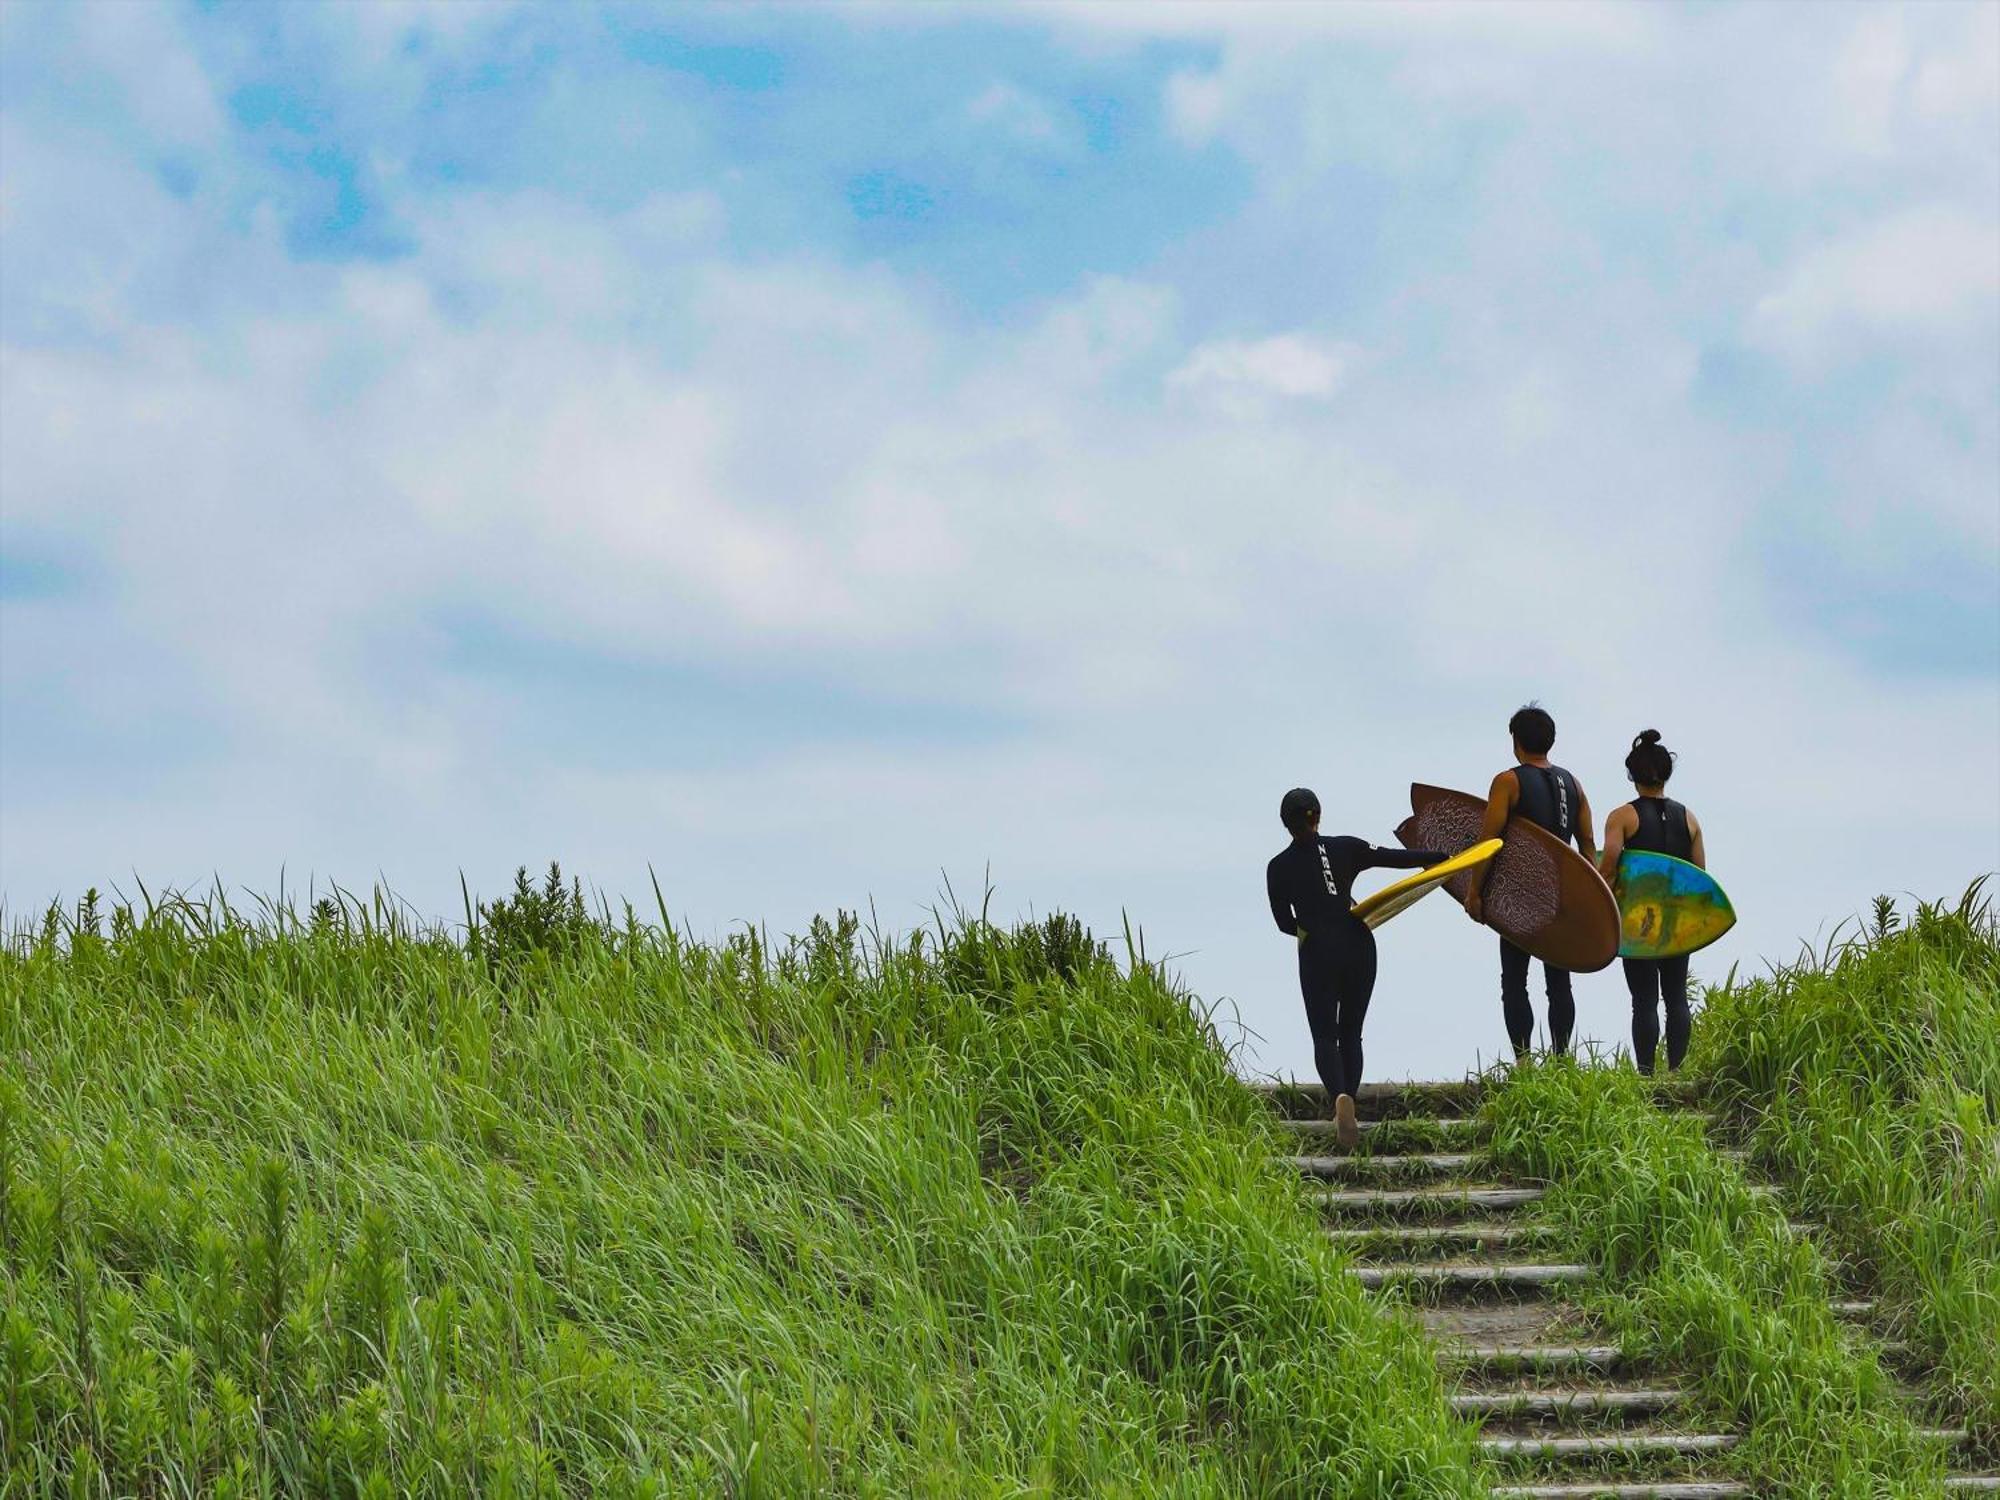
(1869,1076)
(1703,1274)
(339,1204)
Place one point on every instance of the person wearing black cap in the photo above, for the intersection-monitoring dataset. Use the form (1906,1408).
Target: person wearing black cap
(1311,886)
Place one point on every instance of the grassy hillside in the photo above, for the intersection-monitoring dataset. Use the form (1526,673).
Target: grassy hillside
(1865,1080)
(341,1206)
(1706,1276)
(1869,1077)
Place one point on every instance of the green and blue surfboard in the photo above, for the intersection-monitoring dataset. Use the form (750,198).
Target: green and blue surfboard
(1667,907)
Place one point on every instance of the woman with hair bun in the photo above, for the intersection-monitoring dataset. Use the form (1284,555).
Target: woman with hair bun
(1654,822)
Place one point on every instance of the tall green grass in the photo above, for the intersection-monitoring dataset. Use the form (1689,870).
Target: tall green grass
(1702,1274)
(1869,1074)
(343,1205)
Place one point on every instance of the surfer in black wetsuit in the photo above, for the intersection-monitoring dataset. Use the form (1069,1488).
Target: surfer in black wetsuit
(1545,794)
(1311,886)
(1654,822)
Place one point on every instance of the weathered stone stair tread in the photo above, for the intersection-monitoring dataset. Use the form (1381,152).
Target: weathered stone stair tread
(1384,1099)
(1381,1101)
(1857,1307)
(1394,1236)
(1534,1356)
(1537,1321)
(1640,1489)
(1481,1196)
(1973,1484)
(1434,1163)
(1609,1445)
(1548,1404)
(1474,1274)
(1374,1093)
(1443,1125)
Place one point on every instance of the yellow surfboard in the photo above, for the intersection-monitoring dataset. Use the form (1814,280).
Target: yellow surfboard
(1412,888)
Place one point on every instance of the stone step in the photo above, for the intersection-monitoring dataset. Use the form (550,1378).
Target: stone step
(1855,1307)
(1376,1101)
(1609,1445)
(1511,1321)
(1448,1125)
(1366,1168)
(1973,1484)
(1637,1489)
(1554,1406)
(1427,1202)
(1382,1137)
(1420,1099)
(1497,1276)
(1548,1358)
(1417,1239)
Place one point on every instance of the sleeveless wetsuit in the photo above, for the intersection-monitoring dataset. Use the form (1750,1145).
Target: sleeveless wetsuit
(1311,886)
(1551,798)
(1663,829)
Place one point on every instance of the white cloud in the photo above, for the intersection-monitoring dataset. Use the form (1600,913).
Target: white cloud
(1869,72)
(145,58)
(1017,114)
(1195,104)
(1181,570)
(1962,84)
(1293,365)
(1528,25)
(1926,271)
(1906,96)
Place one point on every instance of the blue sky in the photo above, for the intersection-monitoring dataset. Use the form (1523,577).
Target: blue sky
(819,451)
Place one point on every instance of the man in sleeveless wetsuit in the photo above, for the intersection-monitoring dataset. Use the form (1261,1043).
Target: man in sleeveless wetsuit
(1545,794)
(1311,886)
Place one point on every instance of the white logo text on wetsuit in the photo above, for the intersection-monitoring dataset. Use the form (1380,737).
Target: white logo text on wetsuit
(1326,869)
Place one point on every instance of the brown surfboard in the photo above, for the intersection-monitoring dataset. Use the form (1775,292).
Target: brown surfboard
(1541,895)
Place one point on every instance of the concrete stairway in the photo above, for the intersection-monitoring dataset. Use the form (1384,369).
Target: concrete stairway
(1562,1412)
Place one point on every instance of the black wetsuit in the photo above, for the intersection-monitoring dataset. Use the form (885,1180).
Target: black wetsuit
(1550,797)
(1311,886)
(1663,829)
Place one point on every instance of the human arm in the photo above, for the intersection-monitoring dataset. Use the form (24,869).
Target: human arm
(1586,837)
(1617,828)
(1698,855)
(1281,908)
(1500,800)
(1376,858)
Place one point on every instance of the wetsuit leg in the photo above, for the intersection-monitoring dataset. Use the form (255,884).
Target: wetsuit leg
(1520,1016)
(1562,1008)
(1317,983)
(1674,991)
(1357,984)
(1642,978)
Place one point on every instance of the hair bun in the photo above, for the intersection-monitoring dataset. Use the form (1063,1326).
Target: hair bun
(1647,737)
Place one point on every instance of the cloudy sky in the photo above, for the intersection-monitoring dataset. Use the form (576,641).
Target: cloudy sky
(819,452)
